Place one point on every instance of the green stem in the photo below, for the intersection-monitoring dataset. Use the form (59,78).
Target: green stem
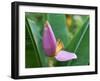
(50,61)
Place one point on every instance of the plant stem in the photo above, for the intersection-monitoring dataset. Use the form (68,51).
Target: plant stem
(50,61)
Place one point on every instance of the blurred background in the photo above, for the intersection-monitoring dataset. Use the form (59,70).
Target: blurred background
(71,29)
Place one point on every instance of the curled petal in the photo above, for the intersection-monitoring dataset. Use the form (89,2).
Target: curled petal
(49,40)
(65,56)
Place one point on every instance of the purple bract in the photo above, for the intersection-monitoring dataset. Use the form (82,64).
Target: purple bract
(49,40)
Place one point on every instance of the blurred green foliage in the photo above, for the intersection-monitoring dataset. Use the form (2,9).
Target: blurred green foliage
(72,30)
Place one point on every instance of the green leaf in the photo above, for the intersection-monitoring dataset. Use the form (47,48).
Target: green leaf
(58,23)
(83,51)
(31,57)
(36,42)
(76,41)
(80,45)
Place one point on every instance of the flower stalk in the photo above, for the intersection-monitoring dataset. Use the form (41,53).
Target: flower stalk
(50,61)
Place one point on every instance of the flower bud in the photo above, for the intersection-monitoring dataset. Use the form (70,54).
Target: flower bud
(49,40)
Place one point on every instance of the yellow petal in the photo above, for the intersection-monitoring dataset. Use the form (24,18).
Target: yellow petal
(60,46)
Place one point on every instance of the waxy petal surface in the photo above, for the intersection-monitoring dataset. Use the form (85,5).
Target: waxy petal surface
(65,56)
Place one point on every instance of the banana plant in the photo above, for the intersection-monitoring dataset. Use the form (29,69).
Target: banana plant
(48,41)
